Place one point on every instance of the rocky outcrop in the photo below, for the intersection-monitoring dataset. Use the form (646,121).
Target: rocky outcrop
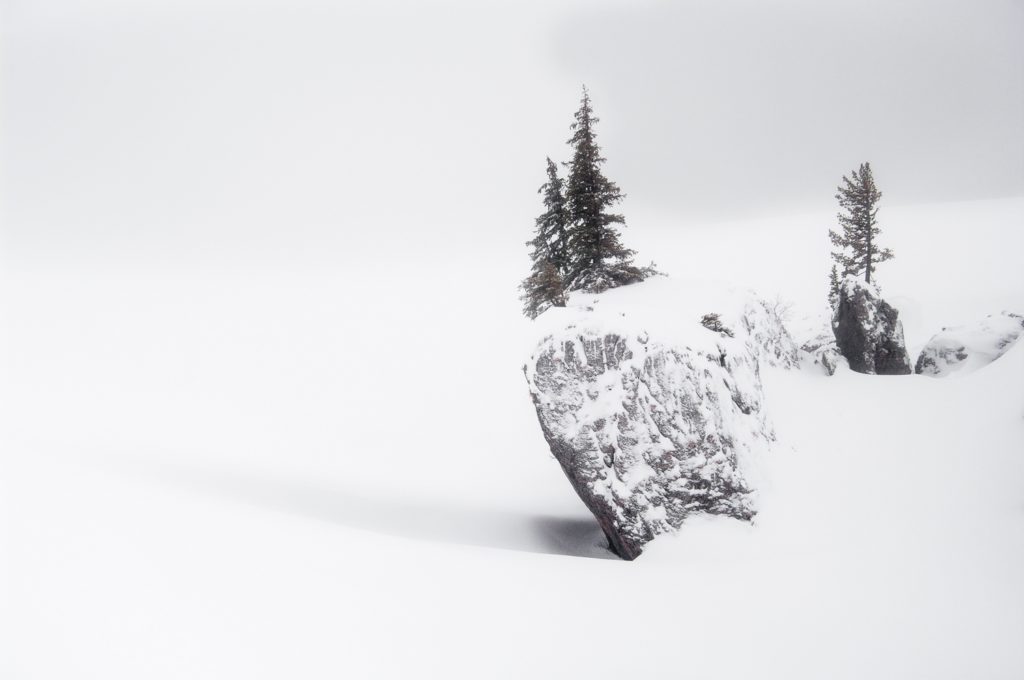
(965,348)
(648,432)
(868,330)
(766,335)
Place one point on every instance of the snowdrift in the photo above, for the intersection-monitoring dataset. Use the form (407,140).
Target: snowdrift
(963,349)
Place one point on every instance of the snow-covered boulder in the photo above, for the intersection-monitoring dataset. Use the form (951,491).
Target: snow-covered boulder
(868,330)
(651,415)
(968,348)
(823,351)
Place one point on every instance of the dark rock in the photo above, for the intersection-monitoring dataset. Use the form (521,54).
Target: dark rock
(713,322)
(868,330)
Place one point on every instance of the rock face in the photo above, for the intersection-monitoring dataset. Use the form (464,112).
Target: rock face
(648,432)
(966,348)
(868,330)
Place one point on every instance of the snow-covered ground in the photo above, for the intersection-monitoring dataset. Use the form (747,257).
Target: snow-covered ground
(321,469)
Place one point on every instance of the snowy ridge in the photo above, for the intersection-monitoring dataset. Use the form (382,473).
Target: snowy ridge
(670,309)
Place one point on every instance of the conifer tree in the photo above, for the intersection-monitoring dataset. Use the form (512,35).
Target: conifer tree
(833,288)
(550,239)
(597,260)
(857,245)
(542,289)
(545,287)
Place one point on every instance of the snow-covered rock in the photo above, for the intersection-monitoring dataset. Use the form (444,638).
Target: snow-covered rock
(968,348)
(868,330)
(766,334)
(823,351)
(651,415)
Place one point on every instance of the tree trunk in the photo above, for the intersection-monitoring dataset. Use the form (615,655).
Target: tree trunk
(867,267)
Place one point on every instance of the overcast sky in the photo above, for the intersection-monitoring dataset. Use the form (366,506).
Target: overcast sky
(175,127)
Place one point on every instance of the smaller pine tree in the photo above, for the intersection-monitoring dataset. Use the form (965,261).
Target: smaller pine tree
(545,286)
(542,289)
(833,288)
(550,239)
(857,245)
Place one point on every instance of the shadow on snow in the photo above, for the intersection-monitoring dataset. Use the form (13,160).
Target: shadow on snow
(439,521)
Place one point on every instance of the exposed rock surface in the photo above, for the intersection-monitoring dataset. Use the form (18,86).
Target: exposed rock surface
(649,430)
(868,330)
(969,347)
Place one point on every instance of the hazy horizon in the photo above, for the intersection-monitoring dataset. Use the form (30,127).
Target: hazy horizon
(175,127)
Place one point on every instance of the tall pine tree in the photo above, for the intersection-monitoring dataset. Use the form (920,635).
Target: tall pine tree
(545,287)
(597,260)
(857,244)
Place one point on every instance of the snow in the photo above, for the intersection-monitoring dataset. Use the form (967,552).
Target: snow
(263,470)
(666,308)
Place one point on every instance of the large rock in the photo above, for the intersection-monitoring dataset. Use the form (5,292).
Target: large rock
(962,349)
(868,330)
(651,430)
